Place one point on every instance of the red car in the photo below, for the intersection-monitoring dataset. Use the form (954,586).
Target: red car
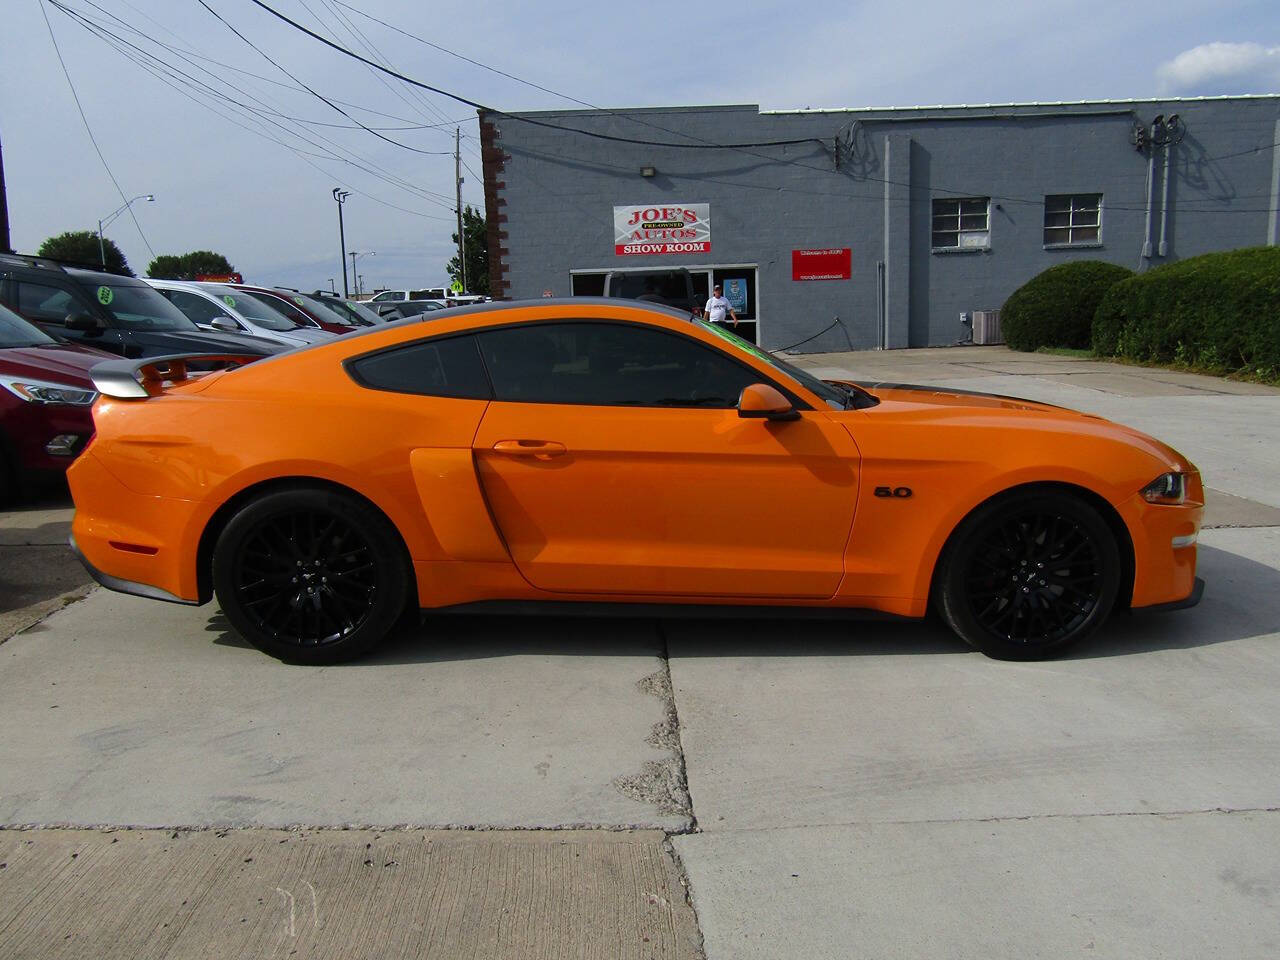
(45,401)
(304,310)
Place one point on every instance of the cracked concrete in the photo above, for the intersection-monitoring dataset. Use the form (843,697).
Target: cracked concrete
(662,782)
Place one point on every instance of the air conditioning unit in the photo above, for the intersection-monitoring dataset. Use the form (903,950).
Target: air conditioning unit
(986,327)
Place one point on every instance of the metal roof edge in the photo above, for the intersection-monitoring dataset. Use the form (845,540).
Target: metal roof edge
(1029,103)
(623,111)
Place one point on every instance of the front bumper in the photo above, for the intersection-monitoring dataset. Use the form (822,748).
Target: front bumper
(1197,591)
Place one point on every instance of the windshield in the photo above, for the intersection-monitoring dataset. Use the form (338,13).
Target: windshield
(363,312)
(260,314)
(16,332)
(838,398)
(348,310)
(327,313)
(138,307)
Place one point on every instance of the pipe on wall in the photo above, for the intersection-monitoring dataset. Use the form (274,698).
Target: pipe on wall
(1163,249)
(1151,199)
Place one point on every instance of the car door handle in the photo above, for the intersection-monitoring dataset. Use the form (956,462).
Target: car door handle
(542,449)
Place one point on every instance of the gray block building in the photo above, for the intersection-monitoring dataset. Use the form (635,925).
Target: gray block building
(865,228)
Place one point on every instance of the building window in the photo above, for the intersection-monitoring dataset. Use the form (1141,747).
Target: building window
(1072,219)
(962,223)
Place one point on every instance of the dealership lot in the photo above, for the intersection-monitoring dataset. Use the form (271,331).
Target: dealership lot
(869,789)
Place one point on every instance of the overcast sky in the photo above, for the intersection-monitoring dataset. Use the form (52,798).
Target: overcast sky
(220,184)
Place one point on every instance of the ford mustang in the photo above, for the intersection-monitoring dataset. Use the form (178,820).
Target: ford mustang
(604,455)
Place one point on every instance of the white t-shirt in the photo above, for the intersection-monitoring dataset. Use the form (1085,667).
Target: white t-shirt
(717,309)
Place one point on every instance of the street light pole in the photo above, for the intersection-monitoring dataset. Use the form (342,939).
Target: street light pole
(340,196)
(102,224)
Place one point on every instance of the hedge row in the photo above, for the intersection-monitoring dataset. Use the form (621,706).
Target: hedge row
(1220,311)
(1056,308)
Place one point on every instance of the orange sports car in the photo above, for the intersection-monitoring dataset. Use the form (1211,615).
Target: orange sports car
(561,453)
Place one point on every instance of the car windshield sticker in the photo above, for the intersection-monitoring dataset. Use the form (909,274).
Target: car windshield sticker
(229,300)
(106,295)
(299,301)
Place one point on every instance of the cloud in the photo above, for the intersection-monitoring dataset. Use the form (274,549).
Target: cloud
(1221,68)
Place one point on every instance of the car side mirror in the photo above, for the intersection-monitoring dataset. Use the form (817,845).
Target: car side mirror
(225,323)
(763,402)
(83,322)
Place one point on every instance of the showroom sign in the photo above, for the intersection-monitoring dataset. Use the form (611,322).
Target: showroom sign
(667,228)
(826,263)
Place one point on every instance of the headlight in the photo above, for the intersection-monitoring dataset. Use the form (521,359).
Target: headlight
(1166,488)
(41,391)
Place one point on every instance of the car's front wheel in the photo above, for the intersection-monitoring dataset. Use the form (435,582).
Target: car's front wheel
(1029,574)
(310,575)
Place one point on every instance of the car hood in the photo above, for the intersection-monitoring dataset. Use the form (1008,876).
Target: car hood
(951,404)
(949,397)
(57,363)
(160,342)
(307,335)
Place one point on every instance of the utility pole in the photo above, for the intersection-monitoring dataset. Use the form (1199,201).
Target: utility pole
(4,210)
(457,174)
(340,196)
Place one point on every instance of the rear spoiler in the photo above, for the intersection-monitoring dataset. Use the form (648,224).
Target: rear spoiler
(148,376)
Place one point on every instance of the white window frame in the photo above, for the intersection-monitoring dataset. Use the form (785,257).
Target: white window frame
(968,239)
(1074,209)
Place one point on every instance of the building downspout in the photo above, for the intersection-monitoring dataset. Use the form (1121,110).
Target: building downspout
(882,333)
(1273,221)
(1151,198)
(1163,249)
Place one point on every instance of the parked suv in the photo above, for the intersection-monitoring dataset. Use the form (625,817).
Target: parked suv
(119,314)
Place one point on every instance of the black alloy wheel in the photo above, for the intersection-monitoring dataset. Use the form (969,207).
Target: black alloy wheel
(1028,575)
(310,575)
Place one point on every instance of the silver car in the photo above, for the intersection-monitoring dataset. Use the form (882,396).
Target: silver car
(217,306)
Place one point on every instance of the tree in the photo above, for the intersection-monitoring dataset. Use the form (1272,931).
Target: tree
(81,247)
(477,250)
(188,266)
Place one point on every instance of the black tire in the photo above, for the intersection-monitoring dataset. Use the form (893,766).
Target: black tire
(311,576)
(1029,574)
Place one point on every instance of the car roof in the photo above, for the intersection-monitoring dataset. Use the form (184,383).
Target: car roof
(494,305)
(99,277)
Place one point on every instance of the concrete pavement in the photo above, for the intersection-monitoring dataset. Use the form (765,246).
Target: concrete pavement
(860,789)
(130,895)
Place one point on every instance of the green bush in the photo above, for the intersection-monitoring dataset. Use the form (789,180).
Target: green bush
(1219,311)
(1056,308)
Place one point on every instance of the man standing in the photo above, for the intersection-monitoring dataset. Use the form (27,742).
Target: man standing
(718,306)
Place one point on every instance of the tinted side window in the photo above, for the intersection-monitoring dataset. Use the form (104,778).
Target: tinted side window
(609,364)
(448,367)
(197,308)
(39,301)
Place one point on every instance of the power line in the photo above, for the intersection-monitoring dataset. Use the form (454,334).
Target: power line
(89,130)
(167,73)
(177,80)
(522,119)
(311,91)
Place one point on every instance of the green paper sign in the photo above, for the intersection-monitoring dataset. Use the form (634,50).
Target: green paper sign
(230,301)
(299,301)
(106,295)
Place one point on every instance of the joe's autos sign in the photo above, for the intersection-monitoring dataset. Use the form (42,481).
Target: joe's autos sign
(669,228)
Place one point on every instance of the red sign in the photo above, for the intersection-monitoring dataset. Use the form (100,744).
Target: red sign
(829,263)
(219,278)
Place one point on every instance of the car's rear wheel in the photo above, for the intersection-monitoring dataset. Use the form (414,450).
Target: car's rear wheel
(1029,574)
(311,575)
